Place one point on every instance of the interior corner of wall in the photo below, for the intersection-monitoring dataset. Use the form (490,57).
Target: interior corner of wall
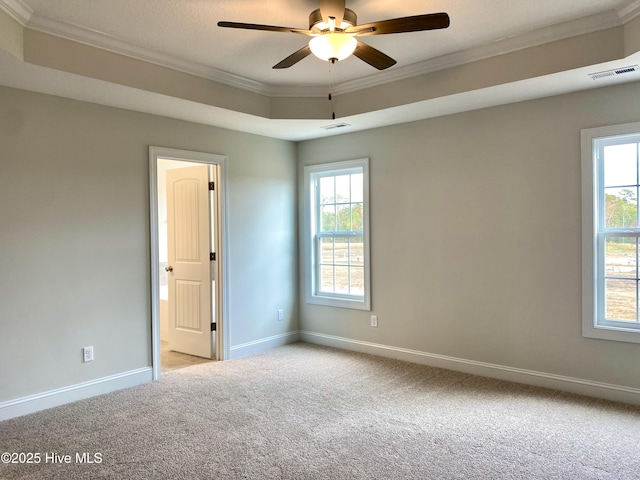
(632,37)
(11,35)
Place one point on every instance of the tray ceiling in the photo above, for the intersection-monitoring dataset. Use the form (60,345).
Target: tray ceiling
(494,52)
(186,30)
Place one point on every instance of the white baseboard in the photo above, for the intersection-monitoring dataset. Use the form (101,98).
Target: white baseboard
(589,388)
(263,344)
(60,396)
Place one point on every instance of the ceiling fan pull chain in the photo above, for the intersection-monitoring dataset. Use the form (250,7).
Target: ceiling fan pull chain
(331,89)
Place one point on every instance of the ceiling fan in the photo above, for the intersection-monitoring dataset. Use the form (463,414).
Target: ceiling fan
(334,29)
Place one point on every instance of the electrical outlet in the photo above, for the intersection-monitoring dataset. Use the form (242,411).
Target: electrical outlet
(87,354)
(374,320)
(280,314)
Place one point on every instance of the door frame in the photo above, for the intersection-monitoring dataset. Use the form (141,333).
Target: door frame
(222,351)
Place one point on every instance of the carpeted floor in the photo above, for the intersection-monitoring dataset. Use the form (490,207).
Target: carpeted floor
(309,412)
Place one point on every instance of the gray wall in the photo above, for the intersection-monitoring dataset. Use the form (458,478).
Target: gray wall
(475,223)
(476,236)
(74,236)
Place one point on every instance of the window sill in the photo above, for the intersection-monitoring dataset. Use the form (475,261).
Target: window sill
(355,304)
(611,333)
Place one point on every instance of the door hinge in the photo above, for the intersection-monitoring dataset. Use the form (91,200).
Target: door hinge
(212,185)
(213,327)
(212,256)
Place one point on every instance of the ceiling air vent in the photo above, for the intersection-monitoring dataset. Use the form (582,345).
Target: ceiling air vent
(614,72)
(335,125)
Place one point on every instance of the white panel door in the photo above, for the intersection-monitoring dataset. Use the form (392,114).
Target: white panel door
(188,241)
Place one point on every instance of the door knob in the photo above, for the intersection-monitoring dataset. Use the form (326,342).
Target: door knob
(168,268)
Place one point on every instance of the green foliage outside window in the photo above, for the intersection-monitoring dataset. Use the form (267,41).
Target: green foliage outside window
(621,211)
(342,217)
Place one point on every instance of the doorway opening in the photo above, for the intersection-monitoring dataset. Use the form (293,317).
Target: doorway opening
(188,258)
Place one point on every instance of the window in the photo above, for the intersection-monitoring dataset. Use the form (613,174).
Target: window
(611,232)
(337,234)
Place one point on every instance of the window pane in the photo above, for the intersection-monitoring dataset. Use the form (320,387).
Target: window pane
(356,217)
(620,207)
(357,280)
(343,192)
(326,279)
(341,251)
(326,251)
(357,184)
(343,218)
(327,194)
(328,218)
(621,257)
(342,279)
(620,165)
(620,300)
(356,251)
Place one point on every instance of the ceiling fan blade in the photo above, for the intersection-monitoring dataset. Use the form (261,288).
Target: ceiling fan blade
(268,28)
(332,8)
(373,57)
(417,23)
(294,58)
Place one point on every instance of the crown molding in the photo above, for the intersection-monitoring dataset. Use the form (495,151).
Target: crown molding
(629,11)
(612,18)
(95,38)
(580,26)
(17,10)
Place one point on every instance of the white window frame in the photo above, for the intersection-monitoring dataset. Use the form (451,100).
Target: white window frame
(312,293)
(594,325)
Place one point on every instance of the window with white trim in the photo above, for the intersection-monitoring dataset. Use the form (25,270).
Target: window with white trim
(611,232)
(337,234)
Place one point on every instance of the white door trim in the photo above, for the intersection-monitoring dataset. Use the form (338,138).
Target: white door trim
(222,328)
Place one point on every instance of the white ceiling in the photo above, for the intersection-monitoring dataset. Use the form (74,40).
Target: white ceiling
(184,33)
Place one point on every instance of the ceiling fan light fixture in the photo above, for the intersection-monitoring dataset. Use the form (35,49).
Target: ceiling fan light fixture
(333,46)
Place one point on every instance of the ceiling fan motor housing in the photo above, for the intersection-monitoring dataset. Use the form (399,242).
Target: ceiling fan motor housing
(350,17)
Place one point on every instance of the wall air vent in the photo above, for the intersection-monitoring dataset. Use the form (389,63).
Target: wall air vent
(335,125)
(614,72)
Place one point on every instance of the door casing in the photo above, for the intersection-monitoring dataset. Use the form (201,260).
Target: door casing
(222,336)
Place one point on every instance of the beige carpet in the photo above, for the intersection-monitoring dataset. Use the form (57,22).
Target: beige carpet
(308,412)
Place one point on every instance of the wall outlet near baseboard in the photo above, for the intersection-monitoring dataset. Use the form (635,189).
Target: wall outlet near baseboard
(87,354)
(374,320)
(280,314)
